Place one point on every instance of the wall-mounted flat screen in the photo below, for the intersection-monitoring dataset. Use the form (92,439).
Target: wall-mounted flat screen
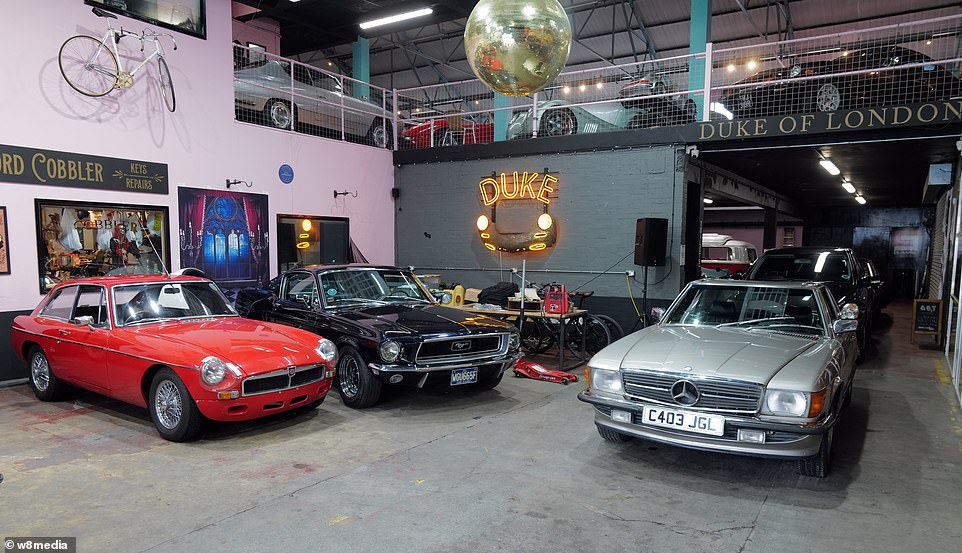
(185,16)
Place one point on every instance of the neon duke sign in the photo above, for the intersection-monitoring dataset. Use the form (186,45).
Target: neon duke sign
(520,187)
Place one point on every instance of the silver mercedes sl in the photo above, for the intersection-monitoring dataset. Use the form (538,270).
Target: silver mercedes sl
(745,367)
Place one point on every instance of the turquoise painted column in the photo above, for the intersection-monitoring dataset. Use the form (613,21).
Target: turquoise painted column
(501,117)
(361,61)
(699,35)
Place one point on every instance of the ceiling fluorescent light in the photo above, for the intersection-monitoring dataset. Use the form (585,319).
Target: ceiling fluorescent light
(709,201)
(395,18)
(848,187)
(830,167)
(860,199)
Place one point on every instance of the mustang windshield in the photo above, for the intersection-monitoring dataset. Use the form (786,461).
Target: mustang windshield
(163,301)
(353,286)
(793,310)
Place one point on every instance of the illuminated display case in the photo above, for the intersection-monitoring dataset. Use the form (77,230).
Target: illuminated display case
(304,240)
(86,239)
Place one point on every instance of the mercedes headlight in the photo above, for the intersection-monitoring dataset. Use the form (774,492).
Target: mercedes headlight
(390,351)
(605,380)
(212,370)
(782,402)
(514,341)
(327,350)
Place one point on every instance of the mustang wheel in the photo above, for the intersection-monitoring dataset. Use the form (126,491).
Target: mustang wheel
(359,387)
(817,465)
(172,409)
(612,435)
(45,384)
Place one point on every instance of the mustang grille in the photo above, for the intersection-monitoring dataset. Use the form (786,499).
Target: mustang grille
(714,395)
(281,380)
(460,348)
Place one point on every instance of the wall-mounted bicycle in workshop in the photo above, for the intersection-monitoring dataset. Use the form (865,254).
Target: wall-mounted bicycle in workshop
(93,69)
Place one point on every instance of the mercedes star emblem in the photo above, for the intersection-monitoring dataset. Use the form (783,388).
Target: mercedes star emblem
(684,392)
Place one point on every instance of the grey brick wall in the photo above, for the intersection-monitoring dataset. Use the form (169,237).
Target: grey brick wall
(601,194)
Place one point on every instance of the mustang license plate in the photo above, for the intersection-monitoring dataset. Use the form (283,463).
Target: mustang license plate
(684,420)
(464,376)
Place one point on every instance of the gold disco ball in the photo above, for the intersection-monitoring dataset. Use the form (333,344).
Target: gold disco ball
(516,47)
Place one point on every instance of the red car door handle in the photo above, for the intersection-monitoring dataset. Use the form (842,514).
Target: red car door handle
(64,332)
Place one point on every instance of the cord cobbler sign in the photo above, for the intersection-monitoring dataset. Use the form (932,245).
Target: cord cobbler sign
(69,170)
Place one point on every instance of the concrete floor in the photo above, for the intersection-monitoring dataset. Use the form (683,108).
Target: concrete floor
(520,468)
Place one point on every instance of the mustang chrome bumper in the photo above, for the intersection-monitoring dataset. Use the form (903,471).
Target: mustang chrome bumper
(783,440)
(507,360)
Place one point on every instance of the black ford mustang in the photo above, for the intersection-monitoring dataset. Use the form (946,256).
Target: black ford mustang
(387,327)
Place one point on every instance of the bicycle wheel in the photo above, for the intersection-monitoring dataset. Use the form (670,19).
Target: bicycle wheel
(88,66)
(166,84)
(593,331)
(535,337)
(614,329)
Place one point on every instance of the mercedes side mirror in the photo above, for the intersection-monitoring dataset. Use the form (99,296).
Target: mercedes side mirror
(849,312)
(841,326)
(657,313)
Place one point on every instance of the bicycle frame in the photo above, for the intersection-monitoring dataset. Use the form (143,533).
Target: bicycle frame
(124,78)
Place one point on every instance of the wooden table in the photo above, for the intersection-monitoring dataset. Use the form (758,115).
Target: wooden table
(515,314)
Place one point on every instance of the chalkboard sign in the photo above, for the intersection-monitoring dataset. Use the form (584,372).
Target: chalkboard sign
(927,318)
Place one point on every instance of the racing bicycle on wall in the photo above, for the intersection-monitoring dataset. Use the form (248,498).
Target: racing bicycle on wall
(93,69)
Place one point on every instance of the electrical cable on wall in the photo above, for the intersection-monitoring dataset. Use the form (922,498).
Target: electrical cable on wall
(592,279)
(631,296)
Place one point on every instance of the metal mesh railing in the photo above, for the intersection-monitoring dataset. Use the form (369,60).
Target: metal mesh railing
(288,95)
(891,65)
(614,97)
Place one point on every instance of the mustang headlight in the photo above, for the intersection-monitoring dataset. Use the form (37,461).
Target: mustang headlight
(605,380)
(514,341)
(327,350)
(390,351)
(213,370)
(782,402)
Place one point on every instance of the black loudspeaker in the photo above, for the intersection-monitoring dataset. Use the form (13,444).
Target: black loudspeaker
(651,242)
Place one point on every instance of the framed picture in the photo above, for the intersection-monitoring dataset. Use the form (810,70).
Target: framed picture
(304,240)
(185,16)
(226,235)
(4,243)
(85,239)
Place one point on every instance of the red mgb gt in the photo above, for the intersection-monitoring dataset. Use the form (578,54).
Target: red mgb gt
(171,344)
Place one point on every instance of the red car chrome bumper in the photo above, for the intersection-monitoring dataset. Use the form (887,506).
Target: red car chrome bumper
(261,405)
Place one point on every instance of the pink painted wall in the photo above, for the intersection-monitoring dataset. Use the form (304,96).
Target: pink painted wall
(201,142)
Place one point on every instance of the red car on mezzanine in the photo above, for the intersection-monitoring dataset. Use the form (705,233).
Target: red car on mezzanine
(174,345)
(419,136)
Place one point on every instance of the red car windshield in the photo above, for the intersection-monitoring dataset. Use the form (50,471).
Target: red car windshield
(163,301)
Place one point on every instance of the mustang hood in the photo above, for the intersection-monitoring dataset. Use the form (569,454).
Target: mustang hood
(254,346)
(422,319)
(753,356)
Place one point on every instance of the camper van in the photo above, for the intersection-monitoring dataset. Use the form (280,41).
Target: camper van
(720,252)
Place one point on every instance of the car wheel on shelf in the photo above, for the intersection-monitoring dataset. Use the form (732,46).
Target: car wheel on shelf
(280,114)
(46,386)
(558,122)
(172,409)
(612,436)
(358,386)
(380,135)
(818,465)
(828,97)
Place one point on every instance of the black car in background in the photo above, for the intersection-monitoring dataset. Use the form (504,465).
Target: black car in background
(387,327)
(878,85)
(839,268)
